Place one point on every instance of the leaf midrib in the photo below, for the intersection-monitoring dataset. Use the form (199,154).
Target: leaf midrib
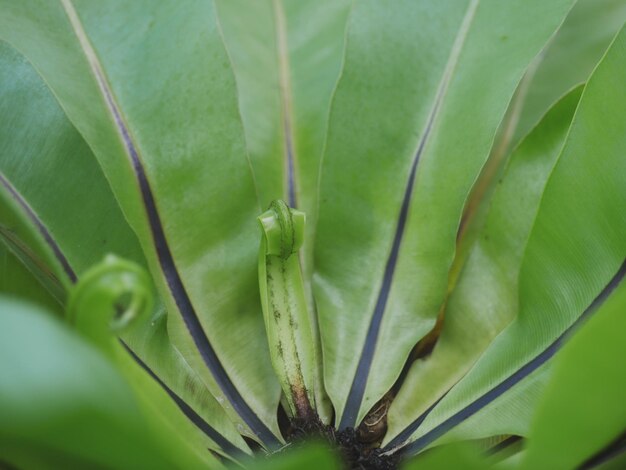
(228,447)
(284,80)
(161,246)
(357,389)
(511,380)
(41,227)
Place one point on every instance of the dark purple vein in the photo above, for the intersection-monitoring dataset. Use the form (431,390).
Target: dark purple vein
(291,178)
(41,227)
(38,267)
(504,445)
(610,452)
(164,255)
(357,390)
(177,289)
(478,404)
(359,382)
(226,445)
(285,96)
(228,448)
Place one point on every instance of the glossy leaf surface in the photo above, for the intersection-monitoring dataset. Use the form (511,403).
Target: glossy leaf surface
(17,281)
(200,239)
(570,57)
(510,414)
(50,167)
(287,56)
(485,298)
(161,131)
(393,188)
(574,419)
(38,141)
(575,255)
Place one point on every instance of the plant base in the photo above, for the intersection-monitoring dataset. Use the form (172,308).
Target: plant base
(356,455)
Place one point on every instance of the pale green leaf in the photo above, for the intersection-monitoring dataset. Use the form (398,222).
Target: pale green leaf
(17,281)
(412,123)
(162,120)
(575,254)
(286,56)
(571,56)
(583,407)
(42,157)
(485,300)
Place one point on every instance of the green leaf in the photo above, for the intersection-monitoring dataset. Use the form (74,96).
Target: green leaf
(286,56)
(616,462)
(61,400)
(17,281)
(115,297)
(49,167)
(162,144)
(42,157)
(310,457)
(164,129)
(453,456)
(571,56)
(165,364)
(509,414)
(575,253)
(583,408)
(412,123)
(485,300)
